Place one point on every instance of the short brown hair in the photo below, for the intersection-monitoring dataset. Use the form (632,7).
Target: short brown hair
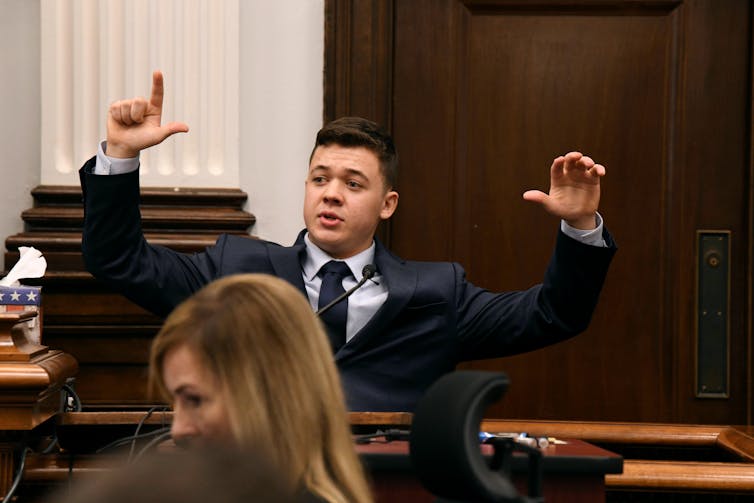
(360,132)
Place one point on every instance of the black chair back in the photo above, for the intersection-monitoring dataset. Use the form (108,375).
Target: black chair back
(444,439)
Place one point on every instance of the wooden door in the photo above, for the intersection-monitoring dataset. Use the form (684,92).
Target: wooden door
(482,95)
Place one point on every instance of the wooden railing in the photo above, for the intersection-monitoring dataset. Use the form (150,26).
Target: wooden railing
(687,458)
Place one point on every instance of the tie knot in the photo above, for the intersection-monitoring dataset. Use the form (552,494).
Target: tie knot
(336,267)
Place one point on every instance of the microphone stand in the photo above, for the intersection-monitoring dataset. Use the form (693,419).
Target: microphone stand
(366,274)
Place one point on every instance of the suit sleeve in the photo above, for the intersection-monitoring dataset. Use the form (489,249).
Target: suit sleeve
(491,325)
(116,252)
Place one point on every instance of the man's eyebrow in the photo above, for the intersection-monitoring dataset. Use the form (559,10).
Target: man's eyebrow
(349,171)
(356,172)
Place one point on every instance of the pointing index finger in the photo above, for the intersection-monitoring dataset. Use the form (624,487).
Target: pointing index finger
(157,90)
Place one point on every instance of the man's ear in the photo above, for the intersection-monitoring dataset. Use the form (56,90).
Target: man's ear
(389,204)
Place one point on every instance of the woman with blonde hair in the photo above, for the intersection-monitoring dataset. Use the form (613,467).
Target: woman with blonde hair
(246,362)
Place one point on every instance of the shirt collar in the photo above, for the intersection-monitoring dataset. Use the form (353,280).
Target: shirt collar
(316,258)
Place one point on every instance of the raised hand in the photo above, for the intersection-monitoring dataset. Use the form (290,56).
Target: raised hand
(574,190)
(135,124)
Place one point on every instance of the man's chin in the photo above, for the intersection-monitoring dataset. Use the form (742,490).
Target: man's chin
(331,248)
(325,239)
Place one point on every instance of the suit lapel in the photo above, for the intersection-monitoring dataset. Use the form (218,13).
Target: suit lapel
(401,284)
(286,262)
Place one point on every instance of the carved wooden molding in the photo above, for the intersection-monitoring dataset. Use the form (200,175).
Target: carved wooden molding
(106,334)
(184,219)
(14,345)
(31,376)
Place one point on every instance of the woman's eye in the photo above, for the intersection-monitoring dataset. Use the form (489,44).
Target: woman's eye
(192,400)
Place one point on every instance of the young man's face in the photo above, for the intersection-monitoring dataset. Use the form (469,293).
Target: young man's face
(345,199)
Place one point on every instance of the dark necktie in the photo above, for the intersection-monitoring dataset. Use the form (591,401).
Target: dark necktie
(332,274)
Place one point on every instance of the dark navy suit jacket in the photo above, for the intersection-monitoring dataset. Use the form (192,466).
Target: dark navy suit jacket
(433,318)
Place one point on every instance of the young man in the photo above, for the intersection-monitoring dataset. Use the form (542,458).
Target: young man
(399,332)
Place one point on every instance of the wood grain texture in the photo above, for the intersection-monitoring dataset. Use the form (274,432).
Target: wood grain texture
(484,94)
(108,334)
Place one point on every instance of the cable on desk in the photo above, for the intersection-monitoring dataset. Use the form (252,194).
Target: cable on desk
(151,444)
(138,428)
(77,406)
(17,478)
(383,436)
(125,440)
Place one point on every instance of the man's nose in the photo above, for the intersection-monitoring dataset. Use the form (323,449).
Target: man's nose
(333,192)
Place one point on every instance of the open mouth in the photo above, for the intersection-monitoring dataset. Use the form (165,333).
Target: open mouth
(329,217)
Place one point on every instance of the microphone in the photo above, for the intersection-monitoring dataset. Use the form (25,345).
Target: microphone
(367,273)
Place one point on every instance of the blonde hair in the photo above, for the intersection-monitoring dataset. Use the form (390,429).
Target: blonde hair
(273,361)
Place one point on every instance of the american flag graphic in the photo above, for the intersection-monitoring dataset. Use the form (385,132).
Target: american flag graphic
(19,298)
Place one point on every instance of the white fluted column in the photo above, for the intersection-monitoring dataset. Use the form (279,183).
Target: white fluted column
(98,51)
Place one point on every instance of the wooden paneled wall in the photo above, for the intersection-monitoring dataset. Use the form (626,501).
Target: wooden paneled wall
(481,95)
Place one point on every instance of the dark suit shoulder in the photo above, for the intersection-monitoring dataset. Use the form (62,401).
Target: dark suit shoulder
(250,242)
(391,261)
(238,254)
(234,254)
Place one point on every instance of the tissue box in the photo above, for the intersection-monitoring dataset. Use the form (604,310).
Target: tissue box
(24,298)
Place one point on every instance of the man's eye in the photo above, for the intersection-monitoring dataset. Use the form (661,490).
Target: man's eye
(353,184)
(318,179)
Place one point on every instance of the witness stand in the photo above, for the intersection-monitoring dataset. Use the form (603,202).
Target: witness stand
(572,472)
(48,445)
(656,458)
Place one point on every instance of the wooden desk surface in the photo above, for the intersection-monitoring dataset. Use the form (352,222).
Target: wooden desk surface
(573,456)
(572,472)
(639,473)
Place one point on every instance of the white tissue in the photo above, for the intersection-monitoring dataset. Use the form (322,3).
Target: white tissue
(31,264)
